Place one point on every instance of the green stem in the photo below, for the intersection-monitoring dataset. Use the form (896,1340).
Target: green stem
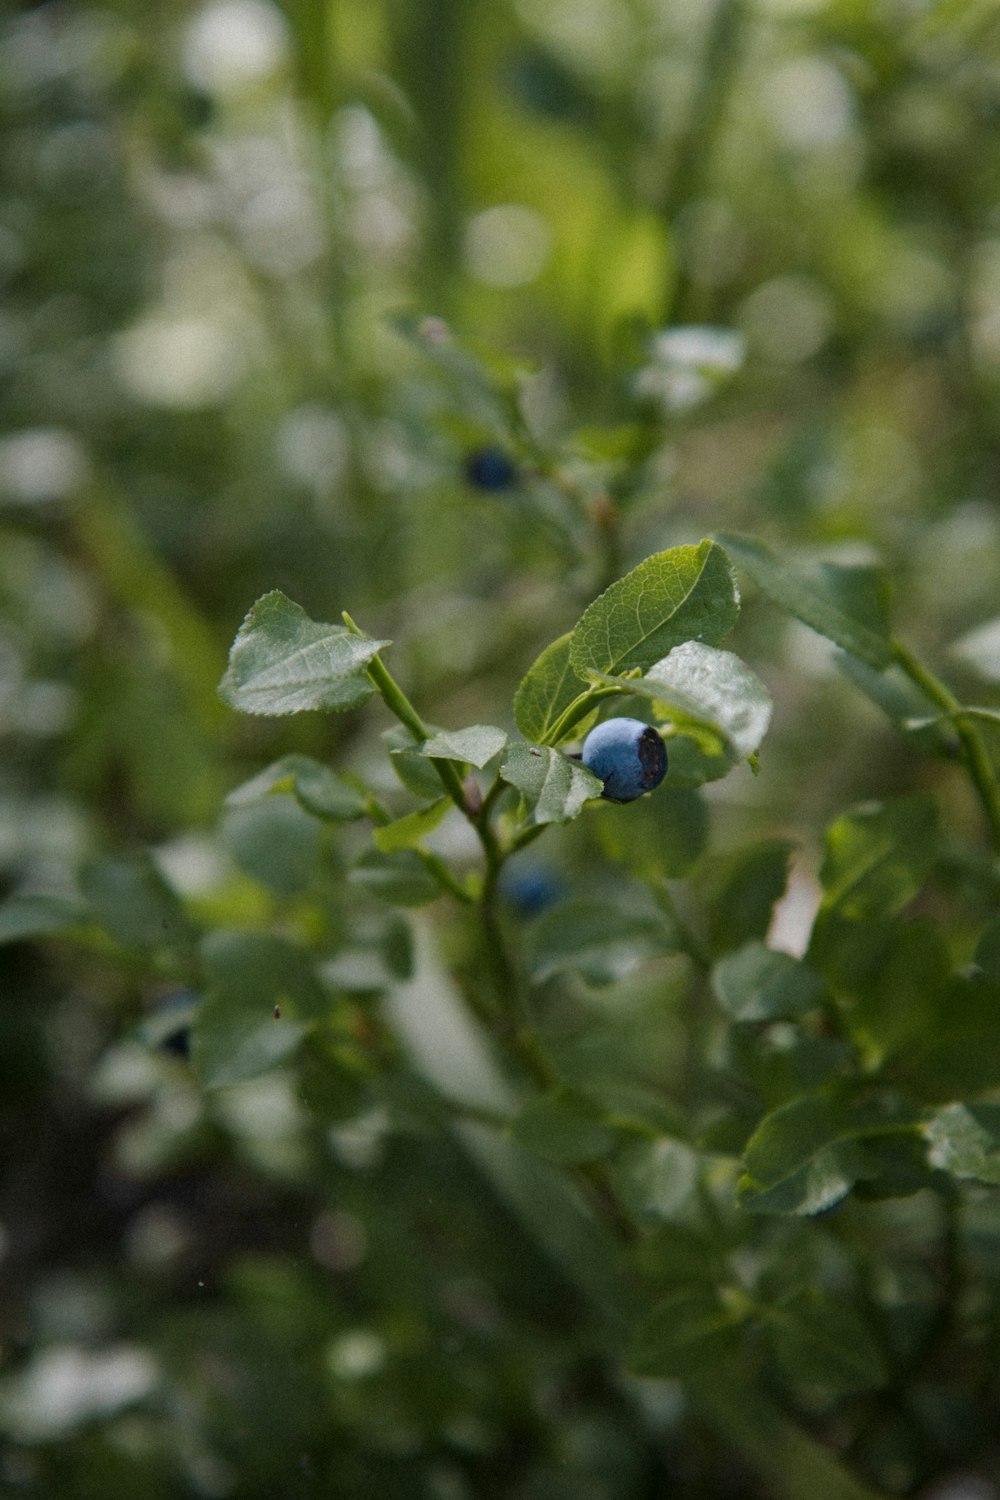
(399,704)
(579,709)
(974,750)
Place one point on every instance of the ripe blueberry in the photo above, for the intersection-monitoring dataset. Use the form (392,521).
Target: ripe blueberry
(629,757)
(490,469)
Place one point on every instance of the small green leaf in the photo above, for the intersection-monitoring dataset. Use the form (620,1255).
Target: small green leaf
(555,788)
(705,686)
(408,831)
(235,1035)
(657,1178)
(757,984)
(318,789)
(821,1341)
(657,838)
(687,593)
(847,604)
(563,1127)
(807,1155)
(230,1044)
(546,691)
(878,856)
(282,662)
(399,877)
(275,841)
(133,903)
(25,917)
(475,746)
(598,939)
(749,884)
(964,1139)
(412,767)
(687,1335)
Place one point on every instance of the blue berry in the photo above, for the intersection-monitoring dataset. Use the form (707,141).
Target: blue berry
(629,757)
(532,890)
(490,469)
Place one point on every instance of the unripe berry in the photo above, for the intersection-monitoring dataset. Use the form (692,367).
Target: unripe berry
(629,757)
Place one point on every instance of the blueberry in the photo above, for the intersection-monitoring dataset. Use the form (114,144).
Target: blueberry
(532,890)
(629,757)
(490,469)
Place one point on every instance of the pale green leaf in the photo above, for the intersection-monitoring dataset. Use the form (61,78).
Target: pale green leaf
(476,745)
(601,940)
(406,832)
(24,917)
(964,1139)
(282,662)
(755,983)
(555,788)
(318,789)
(701,685)
(845,603)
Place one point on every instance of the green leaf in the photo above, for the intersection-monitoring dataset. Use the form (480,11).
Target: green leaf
(807,1155)
(281,662)
(274,840)
(847,604)
(821,1341)
(235,1035)
(230,1045)
(546,691)
(757,984)
(964,1139)
(879,855)
(412,767)
(657,838)
(24,917)
(695,758)
(656,1178)
(133,903)
(408,831)
(597,939)
(555,788)
(705,686)
(476,745)
(399,877)
(563,1127)
(317,789)
(748,886)
(687,593)
(689,1334)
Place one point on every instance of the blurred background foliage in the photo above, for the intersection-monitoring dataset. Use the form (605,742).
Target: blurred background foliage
(233,240)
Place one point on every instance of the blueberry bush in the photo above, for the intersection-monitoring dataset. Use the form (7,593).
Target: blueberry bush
(518,1016)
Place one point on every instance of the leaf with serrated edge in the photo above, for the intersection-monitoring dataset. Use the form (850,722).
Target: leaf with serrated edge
(686,593)
(704,685)
(476,745)
(812,594)
(546,691)
(282,662)
(555,788)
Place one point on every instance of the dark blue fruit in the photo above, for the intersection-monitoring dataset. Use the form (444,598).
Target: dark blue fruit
(490,469)
(629,757)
